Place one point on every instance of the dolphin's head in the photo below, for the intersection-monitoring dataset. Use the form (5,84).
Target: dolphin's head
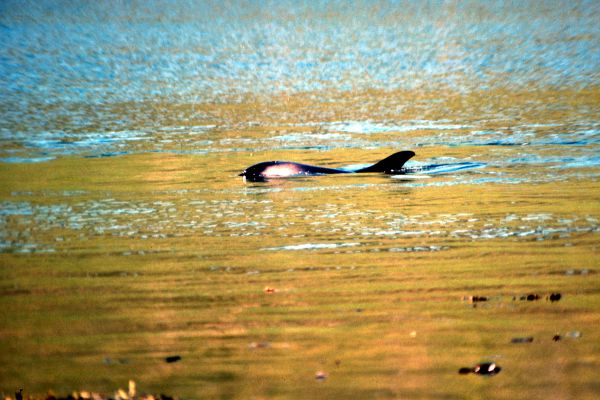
(272,169)
(255,173)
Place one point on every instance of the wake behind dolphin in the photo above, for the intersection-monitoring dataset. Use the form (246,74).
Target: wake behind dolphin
(283,169)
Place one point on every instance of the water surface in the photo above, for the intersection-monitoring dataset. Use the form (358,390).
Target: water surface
(127,237)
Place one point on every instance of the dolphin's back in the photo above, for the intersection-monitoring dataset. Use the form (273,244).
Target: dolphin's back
(390,165)
(281,169)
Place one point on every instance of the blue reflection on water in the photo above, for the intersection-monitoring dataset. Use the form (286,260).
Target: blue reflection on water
(78,62)
(96,51)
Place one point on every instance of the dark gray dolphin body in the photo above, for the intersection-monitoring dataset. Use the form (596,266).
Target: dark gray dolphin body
(282,169)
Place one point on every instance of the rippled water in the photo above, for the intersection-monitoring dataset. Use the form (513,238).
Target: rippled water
(340,225)
(127,235)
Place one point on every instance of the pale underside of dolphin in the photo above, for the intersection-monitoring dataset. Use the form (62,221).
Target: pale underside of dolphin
(283,169)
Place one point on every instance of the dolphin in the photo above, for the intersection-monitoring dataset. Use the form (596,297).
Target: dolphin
(282,169)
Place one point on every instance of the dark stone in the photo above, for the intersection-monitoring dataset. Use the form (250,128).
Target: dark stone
(528,339)
(555,297)
(172,359)
(488,369)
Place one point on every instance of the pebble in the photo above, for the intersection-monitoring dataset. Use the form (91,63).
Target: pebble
(259,345)
(475,299)
(528,339)
(488,369)
(320,375)
(554,297)
(570,335)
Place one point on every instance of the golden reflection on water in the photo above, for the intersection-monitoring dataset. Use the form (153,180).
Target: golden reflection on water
(115,263)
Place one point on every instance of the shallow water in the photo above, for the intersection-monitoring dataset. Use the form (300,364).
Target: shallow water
(126,235)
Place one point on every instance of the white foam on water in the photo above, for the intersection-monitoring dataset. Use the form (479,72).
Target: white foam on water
(312,246)
(410,177)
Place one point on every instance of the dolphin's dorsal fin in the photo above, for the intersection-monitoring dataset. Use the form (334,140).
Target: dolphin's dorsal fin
(391,164)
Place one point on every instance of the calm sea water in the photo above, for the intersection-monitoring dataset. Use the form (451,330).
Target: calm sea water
(126,235)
